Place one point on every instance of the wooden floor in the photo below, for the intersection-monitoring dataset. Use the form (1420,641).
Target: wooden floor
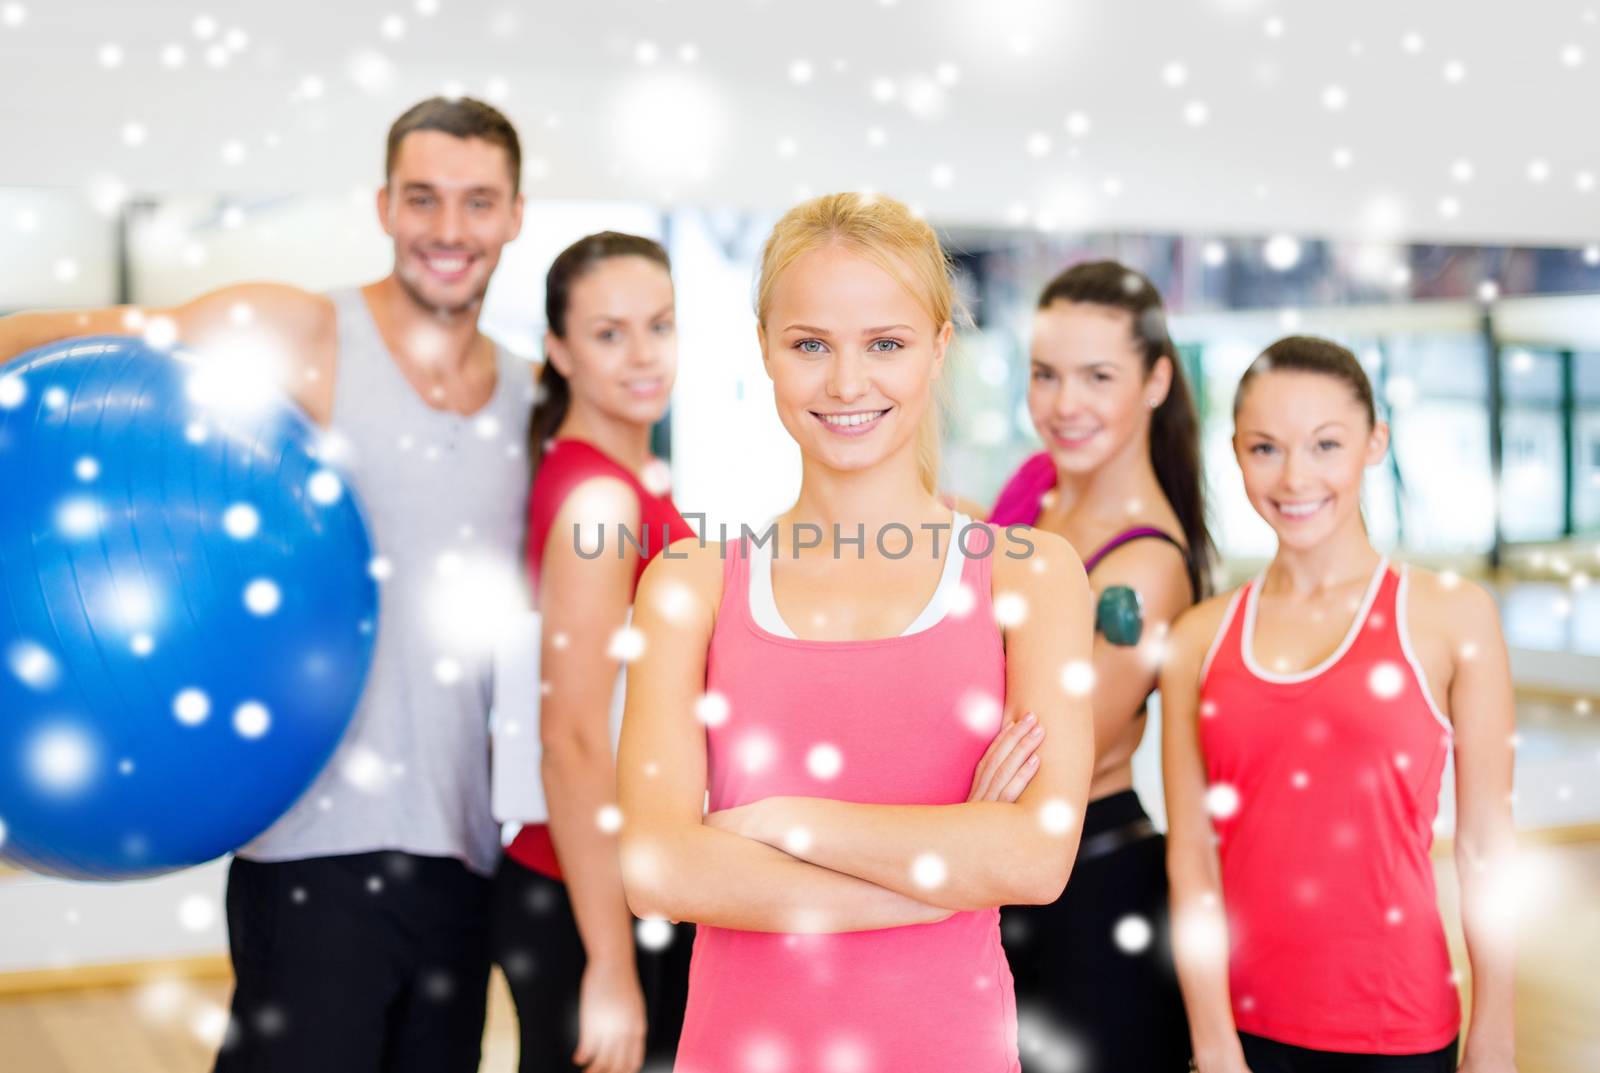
(172,1026)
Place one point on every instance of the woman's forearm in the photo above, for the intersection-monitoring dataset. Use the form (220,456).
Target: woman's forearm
(1200,952)
(967,856)
(579,784)
(707,876)
(1487,870)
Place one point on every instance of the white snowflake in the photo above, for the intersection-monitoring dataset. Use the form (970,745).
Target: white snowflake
(1056,816)
(1132,934)
(251,719)
(61,758)
(241,521)
(1222,800)
(196,912)
(929,871)
(191,706)
(824,761)
(262,596)
(33,665)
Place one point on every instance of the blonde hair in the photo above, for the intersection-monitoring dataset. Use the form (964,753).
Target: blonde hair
(887,233)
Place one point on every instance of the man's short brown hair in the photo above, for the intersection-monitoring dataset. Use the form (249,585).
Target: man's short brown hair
(461,117)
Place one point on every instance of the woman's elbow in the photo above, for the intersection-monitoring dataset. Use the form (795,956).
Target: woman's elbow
(1043,880)
(567,749)
(647,874)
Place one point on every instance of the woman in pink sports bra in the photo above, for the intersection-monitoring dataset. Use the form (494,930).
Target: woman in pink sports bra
(845,747)
(1119,478)
(1308,717)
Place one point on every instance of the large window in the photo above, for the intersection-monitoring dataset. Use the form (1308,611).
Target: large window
(1436,388)
(1533,447)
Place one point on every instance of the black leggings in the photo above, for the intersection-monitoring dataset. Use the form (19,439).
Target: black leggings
(1269,1056)
(534,938)
(1083,1001)
(361,963)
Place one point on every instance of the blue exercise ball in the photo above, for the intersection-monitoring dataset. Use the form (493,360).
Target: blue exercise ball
(186,609)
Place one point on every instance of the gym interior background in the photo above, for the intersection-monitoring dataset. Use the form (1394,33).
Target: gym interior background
(1408,180)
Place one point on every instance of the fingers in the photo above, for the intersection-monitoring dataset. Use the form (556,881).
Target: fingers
(586,1046)
(605,1057)
(633,1054)
(999,749)
(985,783)
(1019,782)
(1016,762)
(619,1052)
(611,1057)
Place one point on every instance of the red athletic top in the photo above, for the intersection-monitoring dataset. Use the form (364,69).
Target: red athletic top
(567,464)
(1323,790)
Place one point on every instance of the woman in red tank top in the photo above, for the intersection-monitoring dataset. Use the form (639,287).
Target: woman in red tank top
(585,996)
(1308,716)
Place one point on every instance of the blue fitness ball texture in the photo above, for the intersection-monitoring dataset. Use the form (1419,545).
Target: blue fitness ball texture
(186,612)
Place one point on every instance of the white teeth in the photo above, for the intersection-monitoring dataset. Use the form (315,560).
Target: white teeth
(849,420)
(641,385)
(450,264)
(1300,510)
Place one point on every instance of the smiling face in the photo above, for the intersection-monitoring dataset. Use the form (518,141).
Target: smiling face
(853,356)
(1303,440)
(1088,393)
(620,350)
(450,209)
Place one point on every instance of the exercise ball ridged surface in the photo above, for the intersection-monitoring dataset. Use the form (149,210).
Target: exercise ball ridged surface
(186,612)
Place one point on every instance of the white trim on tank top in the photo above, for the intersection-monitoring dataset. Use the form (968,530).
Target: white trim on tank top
(764,606)
(1247,637)
(1411,656)
(1222,631)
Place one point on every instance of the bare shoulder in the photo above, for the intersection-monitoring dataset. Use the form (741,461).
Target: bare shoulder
(1155,568)
(1448,604)
(599,500)
(683,584)
(1195,629)
(288,311)
(1037,560)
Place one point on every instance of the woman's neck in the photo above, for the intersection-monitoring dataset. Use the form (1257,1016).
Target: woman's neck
(1345,557)
(886,494)
(1121,489)
(626,441)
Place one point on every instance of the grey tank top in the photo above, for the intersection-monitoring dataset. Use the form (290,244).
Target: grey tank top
(445,498)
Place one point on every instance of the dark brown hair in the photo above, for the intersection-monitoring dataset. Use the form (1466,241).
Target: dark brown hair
(461,117)
(1174,426)
(572,264)
(1309,354)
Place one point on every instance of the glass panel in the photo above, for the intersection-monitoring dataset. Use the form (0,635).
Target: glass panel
(1531,493)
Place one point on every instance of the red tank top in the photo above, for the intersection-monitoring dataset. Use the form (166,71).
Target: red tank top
(1323,790)
(567,464)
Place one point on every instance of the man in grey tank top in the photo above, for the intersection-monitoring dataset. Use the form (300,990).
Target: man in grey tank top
(358,922)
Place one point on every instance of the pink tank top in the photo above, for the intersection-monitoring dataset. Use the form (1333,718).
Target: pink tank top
(907,719)
(1323,790)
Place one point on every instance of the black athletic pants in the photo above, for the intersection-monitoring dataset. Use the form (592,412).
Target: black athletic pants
(367,963)
(1269,1056)
(1086,1001)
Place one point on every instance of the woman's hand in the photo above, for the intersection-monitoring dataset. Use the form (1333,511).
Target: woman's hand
(611,1022)
(1010,762)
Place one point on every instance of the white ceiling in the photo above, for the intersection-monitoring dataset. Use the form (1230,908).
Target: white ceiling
(757,102)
